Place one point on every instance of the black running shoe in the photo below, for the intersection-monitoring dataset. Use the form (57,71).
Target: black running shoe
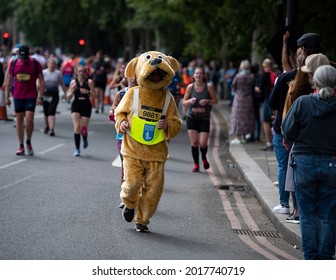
(128,214)
(141,228)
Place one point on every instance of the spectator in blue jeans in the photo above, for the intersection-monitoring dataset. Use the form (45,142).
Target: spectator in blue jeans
(310,123)
(276,102)
(307,44)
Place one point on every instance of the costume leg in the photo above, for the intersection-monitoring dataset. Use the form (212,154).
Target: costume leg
(134,178)
(151,192)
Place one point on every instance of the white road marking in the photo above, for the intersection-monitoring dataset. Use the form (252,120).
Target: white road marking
(117,162)
(12,163)
(51,149)
(24,179)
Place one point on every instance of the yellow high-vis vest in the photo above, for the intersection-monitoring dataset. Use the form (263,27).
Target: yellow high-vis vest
(143,131)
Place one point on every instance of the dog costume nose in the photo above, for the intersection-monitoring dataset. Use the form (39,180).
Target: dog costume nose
(155,61)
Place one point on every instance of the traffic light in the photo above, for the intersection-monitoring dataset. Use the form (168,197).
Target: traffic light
(5,38)
(81,42)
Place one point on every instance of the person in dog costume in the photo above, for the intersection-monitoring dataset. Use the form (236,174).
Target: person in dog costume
(148,118)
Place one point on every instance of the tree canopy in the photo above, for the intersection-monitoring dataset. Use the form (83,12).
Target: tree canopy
(212,29)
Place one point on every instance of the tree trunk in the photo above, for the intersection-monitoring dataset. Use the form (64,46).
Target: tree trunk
(157,39)
(256,56)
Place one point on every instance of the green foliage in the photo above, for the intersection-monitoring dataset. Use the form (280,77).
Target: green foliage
(6,10)
(320,19)
(213,29)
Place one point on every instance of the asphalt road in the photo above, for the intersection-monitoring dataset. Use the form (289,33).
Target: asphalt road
(54,206)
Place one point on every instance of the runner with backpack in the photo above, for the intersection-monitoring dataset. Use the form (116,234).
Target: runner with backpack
(22,74)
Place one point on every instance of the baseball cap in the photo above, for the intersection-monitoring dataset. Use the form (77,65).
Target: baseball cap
(310,41)
(24,52)
(314,61)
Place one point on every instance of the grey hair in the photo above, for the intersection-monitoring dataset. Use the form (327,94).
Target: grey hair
(325,80)
(244,65)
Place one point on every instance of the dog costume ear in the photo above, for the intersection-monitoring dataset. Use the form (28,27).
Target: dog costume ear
(173,63)
(130,68)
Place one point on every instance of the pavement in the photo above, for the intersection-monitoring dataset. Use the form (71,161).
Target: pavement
(259,169)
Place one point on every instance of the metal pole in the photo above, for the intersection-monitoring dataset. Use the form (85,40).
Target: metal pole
(292,11)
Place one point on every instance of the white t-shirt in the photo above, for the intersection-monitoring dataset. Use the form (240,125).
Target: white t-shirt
(51,80)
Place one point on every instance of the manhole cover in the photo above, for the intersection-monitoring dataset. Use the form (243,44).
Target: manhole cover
(240,188)
(257,233)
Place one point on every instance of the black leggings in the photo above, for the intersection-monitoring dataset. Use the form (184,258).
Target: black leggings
(50,105)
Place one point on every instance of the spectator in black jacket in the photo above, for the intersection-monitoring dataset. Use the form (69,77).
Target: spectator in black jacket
(314,164)
(307,44)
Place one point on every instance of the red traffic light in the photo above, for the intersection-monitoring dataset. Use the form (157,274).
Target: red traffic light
(81,42)
(6,35)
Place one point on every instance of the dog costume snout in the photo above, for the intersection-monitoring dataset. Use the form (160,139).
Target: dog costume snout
(155,61)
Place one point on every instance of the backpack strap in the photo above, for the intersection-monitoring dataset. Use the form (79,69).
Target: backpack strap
(165,107)
(13,64)
(35,65)
(135,102)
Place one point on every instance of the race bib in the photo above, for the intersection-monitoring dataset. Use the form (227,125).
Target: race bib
(23,77)
(149,113)
(198,110)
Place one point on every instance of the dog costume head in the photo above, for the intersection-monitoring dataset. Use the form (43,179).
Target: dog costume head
(152,69)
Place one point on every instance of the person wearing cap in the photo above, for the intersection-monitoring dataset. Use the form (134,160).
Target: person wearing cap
(22,75)
(307,44)
(303,83)
(313,62)
(313,160)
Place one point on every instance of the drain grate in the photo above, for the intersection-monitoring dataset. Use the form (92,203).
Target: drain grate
(240,188)
(257,233)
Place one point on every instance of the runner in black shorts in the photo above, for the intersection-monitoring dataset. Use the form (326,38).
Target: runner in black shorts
(199,97)
(200,125)
(82,88)
(82,106)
